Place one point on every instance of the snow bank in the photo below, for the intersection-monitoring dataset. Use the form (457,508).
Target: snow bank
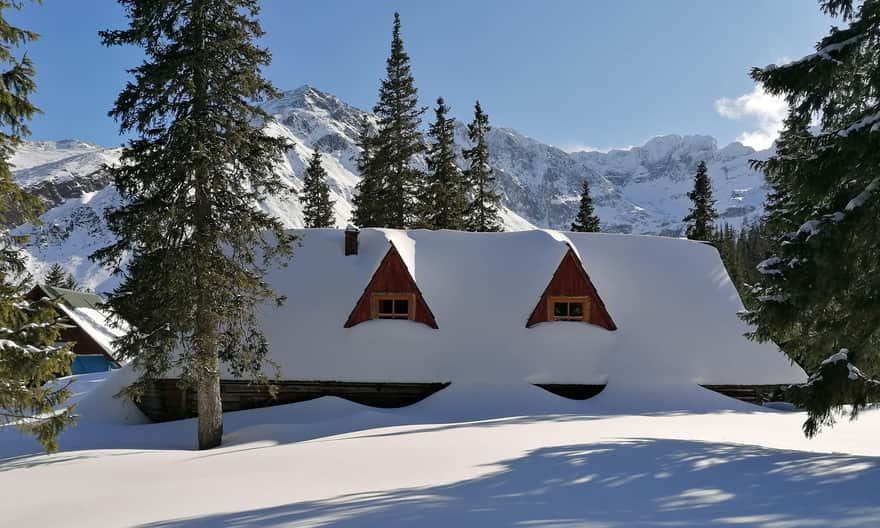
(332,463)
(99,404)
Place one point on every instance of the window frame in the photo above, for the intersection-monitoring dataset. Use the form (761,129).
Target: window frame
(583,300)
(377,298)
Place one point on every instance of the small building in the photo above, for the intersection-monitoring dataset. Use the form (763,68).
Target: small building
(386,317)
(86,324)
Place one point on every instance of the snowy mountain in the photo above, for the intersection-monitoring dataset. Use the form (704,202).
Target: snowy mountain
(639,190)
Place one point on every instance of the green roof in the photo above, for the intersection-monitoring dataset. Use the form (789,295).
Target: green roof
(72,298)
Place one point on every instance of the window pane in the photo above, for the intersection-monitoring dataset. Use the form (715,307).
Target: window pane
(576,309)
(386,306)
(560,309)
(401,306)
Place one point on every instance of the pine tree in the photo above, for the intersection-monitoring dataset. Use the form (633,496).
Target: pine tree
(369,209)
(701,220)
(59,277)
(190,181)
(398,139)
(315,196)
(586,220)
(444,199)
(29,357)
(819,292)
(482,210)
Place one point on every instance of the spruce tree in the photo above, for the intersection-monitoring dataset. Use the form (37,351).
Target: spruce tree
(59,277)
(315,196)
(444,199)
(482,210)
(29,356)
(398,139)
(819,293)
(55,276)
(701,220)
(781,214)
(586,220)
(368,208)
(190,181)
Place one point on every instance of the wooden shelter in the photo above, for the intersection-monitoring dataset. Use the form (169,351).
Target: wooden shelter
(385,317)
(79,313)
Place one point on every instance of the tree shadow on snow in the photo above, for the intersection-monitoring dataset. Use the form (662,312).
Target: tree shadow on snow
(640,482)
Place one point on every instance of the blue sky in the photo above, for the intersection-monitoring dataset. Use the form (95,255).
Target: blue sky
(573,73)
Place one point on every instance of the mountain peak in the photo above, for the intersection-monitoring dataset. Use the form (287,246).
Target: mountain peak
(61,144)
(674,146)
(673,141)
(308,98)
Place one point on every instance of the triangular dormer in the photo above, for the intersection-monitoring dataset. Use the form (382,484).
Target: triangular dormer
(392,293)
(571,296)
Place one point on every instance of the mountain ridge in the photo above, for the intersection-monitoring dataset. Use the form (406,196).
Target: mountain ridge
(637,190)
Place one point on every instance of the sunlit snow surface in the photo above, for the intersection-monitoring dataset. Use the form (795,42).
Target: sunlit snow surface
(471,455)
(672,301)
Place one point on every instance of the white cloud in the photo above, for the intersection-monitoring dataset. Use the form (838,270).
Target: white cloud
(767,110)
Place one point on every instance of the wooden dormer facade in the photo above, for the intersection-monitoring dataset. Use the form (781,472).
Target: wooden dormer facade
(392,293)
(571,296)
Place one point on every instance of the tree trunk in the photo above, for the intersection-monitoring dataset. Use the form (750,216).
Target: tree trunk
(208,385)
(208,391)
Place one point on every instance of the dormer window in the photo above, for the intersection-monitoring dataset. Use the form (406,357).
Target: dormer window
(392,293)
(568,309)
(571,296)
(393,306)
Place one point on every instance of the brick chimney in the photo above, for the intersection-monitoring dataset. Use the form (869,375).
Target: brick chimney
(351,240)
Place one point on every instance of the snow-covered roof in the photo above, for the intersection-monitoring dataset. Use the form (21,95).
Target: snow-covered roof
(71,298)
(84,309)
(671,299)
(97,324)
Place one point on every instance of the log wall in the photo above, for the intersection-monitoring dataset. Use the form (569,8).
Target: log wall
(756,394)
(164,400)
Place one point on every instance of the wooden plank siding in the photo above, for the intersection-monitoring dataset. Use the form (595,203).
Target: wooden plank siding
(571,280)
(756,394)
(84,343)
(391,277)
(164,400)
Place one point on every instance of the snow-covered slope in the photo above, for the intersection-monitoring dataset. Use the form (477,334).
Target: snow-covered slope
(640,190)
(468,456)
(34,153)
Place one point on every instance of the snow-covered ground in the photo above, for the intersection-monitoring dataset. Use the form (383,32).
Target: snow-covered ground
(471,455)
